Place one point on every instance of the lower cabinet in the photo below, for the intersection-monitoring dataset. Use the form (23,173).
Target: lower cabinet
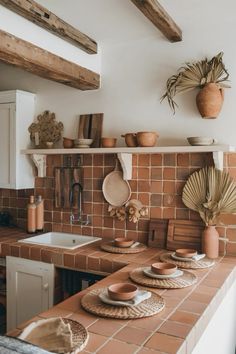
(30,289)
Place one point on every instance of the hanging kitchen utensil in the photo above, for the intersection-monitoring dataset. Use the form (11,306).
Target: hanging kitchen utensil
(115,189)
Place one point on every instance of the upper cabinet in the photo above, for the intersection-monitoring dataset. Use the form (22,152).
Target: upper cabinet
(16,114)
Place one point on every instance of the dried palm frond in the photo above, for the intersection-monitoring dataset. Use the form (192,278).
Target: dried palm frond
(210,192)
(196,75)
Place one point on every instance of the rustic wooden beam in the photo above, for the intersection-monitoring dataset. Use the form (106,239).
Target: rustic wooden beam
(25,55)
(160,18)
(41,16)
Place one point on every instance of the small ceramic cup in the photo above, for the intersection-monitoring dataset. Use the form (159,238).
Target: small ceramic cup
(68,143)
(108,142)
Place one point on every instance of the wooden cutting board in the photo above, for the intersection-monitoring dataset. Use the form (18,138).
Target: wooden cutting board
(90,127)
(64,179)
(184,234)
(158,233)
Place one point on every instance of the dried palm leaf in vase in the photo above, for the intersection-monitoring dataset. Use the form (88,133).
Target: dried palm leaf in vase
(199,74)
(210,192)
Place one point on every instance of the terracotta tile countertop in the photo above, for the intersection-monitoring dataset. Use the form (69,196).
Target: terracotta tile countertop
(176,329)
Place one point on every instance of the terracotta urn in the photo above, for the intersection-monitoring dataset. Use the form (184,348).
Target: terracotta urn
(210,242)
(210,100)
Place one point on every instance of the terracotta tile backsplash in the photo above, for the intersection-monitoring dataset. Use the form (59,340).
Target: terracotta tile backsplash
(158,180)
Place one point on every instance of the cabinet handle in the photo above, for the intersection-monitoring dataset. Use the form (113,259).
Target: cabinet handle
(45,286)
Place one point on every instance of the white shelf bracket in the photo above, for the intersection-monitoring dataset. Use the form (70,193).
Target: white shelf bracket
(126,164)
(40,163)
(218,157)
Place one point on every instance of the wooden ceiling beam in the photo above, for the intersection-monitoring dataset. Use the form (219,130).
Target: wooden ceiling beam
(25,55)
(42,17)
(160,18)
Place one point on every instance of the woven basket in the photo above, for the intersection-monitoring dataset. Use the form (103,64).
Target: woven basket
(201,264)
(187,279)
(109,247)
(80,335)
(91,303)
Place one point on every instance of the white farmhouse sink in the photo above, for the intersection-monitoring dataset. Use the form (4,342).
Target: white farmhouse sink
(60,240)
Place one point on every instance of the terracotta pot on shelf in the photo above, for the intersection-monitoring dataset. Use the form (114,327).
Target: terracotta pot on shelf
(210,242)
(130,139)
(210,100)
(147,139)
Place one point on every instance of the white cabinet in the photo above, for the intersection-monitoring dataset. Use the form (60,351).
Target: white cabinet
(30,287)
(16,115)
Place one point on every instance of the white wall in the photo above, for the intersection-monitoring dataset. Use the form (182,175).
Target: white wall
(136,62)
(22,28)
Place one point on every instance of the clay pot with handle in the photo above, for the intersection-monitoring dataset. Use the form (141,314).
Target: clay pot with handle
(210,100)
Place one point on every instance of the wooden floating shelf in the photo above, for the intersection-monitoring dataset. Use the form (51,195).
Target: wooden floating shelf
(133,150)
(124,154)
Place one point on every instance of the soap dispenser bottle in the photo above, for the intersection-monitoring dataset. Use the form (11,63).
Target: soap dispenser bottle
(31,215)
(39,213)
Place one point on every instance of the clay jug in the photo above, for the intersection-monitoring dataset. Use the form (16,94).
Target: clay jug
(210,242)
(210,100)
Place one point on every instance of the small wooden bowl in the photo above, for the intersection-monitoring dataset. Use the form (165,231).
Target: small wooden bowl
(130,139)
(163,268)
(185,252)
(147,139)
(122,291)
(68,143)
(108,142)
(123,242)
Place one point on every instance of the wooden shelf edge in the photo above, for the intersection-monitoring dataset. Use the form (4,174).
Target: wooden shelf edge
(135,150)
(125,154)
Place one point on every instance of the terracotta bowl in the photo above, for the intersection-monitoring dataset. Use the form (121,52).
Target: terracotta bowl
(147,139)
(123,242)
(122,291)
(185,252)
(130,139)
(108,142)
(68,143)
(163,268)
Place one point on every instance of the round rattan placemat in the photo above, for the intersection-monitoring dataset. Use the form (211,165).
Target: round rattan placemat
(109,247)
(187,279)
(201,264)
(80,335)
(91,303)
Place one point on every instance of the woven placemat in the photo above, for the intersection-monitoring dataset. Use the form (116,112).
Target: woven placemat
(109,247)
(183,281)
(80,335)
(91,303)
(203,263)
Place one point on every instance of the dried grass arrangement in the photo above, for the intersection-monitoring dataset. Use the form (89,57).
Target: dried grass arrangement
(210,192)
(196,75)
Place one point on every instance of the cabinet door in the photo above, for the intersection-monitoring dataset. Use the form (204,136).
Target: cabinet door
(30,287)
(7,144)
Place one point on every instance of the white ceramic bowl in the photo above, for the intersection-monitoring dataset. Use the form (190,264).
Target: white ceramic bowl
(82,143)
(200,140)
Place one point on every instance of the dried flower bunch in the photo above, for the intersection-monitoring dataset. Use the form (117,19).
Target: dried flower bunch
(133,211)
(47,128)
(196,75)
(210,192)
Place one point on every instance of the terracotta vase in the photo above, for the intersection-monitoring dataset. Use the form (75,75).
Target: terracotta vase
(210,242)
(210,100)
